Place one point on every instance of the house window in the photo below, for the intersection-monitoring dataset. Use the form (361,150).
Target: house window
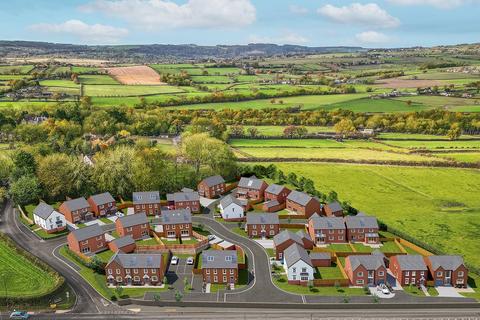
(214,271)
(110,271)
(224,279)
(360,274)
(304,278)
(207,271)
(154,278)
(407,273)
(340,231)
(360,281)
(407,280)
(414,273)
(127,271)
(294,277)
(272,232)
(129,229)
(215,279)
(232,271)
(294,270)
(119,279)
(380,273)
(136,278)
(439,273)
(422,273)
(117,271)
(145,271)
(340,238)
(352,231)
(135,271)
(304,269)
(254,226)
(224,271)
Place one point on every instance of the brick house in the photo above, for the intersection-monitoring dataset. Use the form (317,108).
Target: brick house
(76,210)
(124,244)
(365,270)
(187,199)
(298,265)
(306,239)
(276,192)
(175,223)
(135,225)
(361,228)
(447,270)
(135,269)
(102,204)
(302,204)
(283,240)
(87,240)
(251,188)
(146,202)
(325,230)
(264,225)
(321,259)
(220,266)
(49,219)
(409,269)
(333,209)
(211,187)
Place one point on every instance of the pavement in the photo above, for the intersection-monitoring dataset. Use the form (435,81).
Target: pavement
(266,243)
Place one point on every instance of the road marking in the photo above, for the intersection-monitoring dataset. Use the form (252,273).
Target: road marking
(303,299)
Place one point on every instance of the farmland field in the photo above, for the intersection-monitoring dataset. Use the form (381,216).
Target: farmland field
(430,145)
(461,156)
(21,69)
(124,90)
(135,75)
(96,79)
(272,131)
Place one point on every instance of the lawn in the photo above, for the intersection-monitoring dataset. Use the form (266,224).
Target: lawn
(97,79)
(105,256)
(281,282)
(18,69)
(432,145)
(296,143)
(408,136)
(124,90)
(460,156)
(106,220)
(340,247)
(359,247)
(147,242)
(240,231)
(390,246)
(270,252)
(330,272)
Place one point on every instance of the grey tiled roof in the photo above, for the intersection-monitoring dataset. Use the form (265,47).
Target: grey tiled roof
(320,255)
(302,234)
(446,262)
(123,241)
(377,252)
(77,204)
(355,222)
(286,235)
(43,210)
(146,197)
(411,262)
(262,218)
(335,206)
(250,183)
(186,196)
(133,219)
(370,262)
(295,253)
(274,189)
(229,199)
(213,180)
(219,259)
(137,260)
(327,222)
(299,197)
(102,198)
(271,203)
(176,216)
(88,232)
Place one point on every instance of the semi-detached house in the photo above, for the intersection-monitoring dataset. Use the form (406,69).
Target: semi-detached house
(220,266)
(147,202)
(76,210)
(134,225)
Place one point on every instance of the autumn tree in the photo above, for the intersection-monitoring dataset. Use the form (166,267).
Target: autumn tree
(344,127)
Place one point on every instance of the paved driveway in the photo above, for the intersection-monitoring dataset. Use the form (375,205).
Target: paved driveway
(448,292)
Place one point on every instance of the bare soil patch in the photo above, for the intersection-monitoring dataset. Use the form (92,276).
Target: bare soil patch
(135,75)
(403,83)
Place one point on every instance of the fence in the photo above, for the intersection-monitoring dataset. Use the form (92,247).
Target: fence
(330,282)
(291,216)
(292,225)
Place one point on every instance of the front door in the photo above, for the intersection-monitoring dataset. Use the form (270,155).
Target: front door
(448,278)
(371,277)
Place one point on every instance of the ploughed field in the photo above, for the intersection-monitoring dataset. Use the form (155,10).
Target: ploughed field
(135,75)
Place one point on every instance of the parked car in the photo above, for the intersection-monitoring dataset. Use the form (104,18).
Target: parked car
(174,260)
(384,289)
(211,237)
(19,315)
(190,260)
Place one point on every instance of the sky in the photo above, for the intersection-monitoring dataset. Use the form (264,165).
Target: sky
(387,23)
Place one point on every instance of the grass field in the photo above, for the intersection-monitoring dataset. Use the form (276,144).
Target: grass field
(408,136)
(96,79)
(59,83)
(126,90)
(378,105)
(431,145)
(461,156)
(21,69)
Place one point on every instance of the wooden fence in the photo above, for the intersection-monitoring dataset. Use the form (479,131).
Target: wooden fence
(292,216)
(330,282)
(292,225)
(408,244)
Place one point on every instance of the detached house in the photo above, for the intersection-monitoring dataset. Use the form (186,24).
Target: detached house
(302,204)
(176,223)
(251,188)
(286,238)
(135,269)
(76,210)
(212,187)
(361,228)
(187,199)
(447,270)
(87,240)
(325,230)
(134,225)
(366,270)
(146,202)
(264,225)
(48,218)
(409,269)
(298,265)
(102,204)
(275,196)
(220,266)
(333,209)
(233,209)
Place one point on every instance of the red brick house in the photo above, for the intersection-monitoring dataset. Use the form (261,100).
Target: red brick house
(87,240)
(365,270)
(135,225)
(263,225)
(102,204)
(220,266)
(302,204)
(362,228)
(409,269)
(175,224)
(333,209)
(251,188)
(76,210)
(135,269)
(147,202)
(325,230)
(286,238)
(211,187)
(276,192)
(321,259)
(187,199)
(124,244)
(447,270)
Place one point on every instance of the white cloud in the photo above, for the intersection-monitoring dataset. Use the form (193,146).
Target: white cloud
(154,14)
(372,37)
(92,33)
(287,37)
(296,9)
(442,4)
(369,14)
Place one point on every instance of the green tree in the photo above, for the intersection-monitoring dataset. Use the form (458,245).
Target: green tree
(25,190)
(454,132)
(24,164)
(55,174)
(344,127)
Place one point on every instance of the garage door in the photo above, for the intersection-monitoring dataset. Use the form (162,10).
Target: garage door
(438,283)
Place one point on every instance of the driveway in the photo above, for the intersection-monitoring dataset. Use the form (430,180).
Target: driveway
(266,243)
(205,202)
(450,292)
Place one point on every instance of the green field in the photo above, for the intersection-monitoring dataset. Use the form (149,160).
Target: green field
(408,136)
(460,156)
(378,105)
(297,143)
(59,83)
(21,69)
(124,90)
(82,70)
(432,145)
(96,79)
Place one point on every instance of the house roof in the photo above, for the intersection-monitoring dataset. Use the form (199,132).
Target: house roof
(137,260)
(123,241)
(446,262)
(299,197)
(228,200)
(77,204)
(262,218)
(43,210)
(377,252)
(303,235)
(335,206)
(219,259)
(320,255)
(286,235)
(354,222)
(370,262)
(88,232)
(185,196)
(296,253)
(102,198)
(146,197)
(213,180)
(176,216)
(274,189)
(250,183)
(271,203)
(327,222)
(133,219)
(411,262)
